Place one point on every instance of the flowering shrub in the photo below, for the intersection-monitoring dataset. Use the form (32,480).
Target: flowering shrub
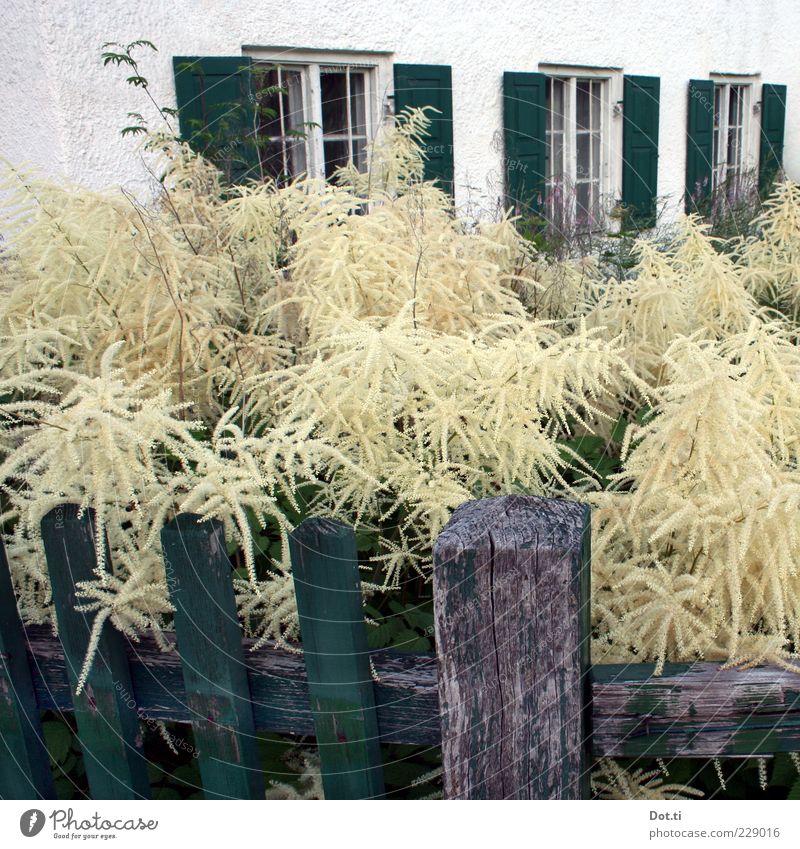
(353,349)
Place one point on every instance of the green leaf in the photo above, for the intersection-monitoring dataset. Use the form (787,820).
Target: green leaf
(116,58)
(142,42)
(643,414)
(784,772)
(65,789)
(187,774)
(794,793)
(58,737)
(154,772)
(366,540)
(272,748)
(380,637)
(618,433)
(166,792)
(408,640)
(420,618)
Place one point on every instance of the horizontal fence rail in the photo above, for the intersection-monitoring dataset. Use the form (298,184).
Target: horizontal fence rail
(691,710)
(510,695)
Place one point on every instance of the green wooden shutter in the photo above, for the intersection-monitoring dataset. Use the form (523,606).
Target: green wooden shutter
(217,112)
(699,142)
(524,123)
(430,85)
(640,148)
(773,120)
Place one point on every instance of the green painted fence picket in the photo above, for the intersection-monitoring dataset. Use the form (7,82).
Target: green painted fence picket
(108,725)
(24,762)
(332,628)
(210,641)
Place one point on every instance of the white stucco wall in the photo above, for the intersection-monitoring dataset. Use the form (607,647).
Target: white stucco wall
(62,110)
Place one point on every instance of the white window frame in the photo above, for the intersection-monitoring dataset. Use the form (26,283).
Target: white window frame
(750,132)
(610,130)
(378,87)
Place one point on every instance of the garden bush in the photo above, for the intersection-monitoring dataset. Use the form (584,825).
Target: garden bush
(353,349)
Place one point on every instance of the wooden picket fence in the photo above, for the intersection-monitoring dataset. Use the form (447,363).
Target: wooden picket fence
(510,694)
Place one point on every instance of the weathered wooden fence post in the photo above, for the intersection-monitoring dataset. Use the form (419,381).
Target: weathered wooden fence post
(511,599)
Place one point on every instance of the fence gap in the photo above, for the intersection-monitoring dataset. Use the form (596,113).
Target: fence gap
(105,710)
(24,765)
(328,589)
(209,640)
(511,604)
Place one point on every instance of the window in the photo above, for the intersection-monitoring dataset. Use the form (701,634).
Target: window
(317,113)
(281,122)
(732,149)
(579,135)
(344,124)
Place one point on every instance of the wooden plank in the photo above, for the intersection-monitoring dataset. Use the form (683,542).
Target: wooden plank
(328,588)
(407,700)
(510,601)
(694,710)
(408,704)
(108,725)
(214,673)
(24,763)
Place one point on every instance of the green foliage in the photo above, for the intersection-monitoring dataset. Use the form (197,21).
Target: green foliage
(406,627)
(720,779)
(122,56)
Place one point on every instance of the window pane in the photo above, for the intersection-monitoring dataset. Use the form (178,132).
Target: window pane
(583,197)
(336,155)
(268,98)
(297,157)
(557,105)
(293,102)
(734,147)
(358,106)
(548,154)
(558,155)
(735,110)
(582,105)
(281,131)
(271,153)
(583,170)
(596,90)
(334,102)
(360,154)
(595,172)
(717,104)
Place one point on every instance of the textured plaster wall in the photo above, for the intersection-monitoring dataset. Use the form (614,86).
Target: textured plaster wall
(62,110)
